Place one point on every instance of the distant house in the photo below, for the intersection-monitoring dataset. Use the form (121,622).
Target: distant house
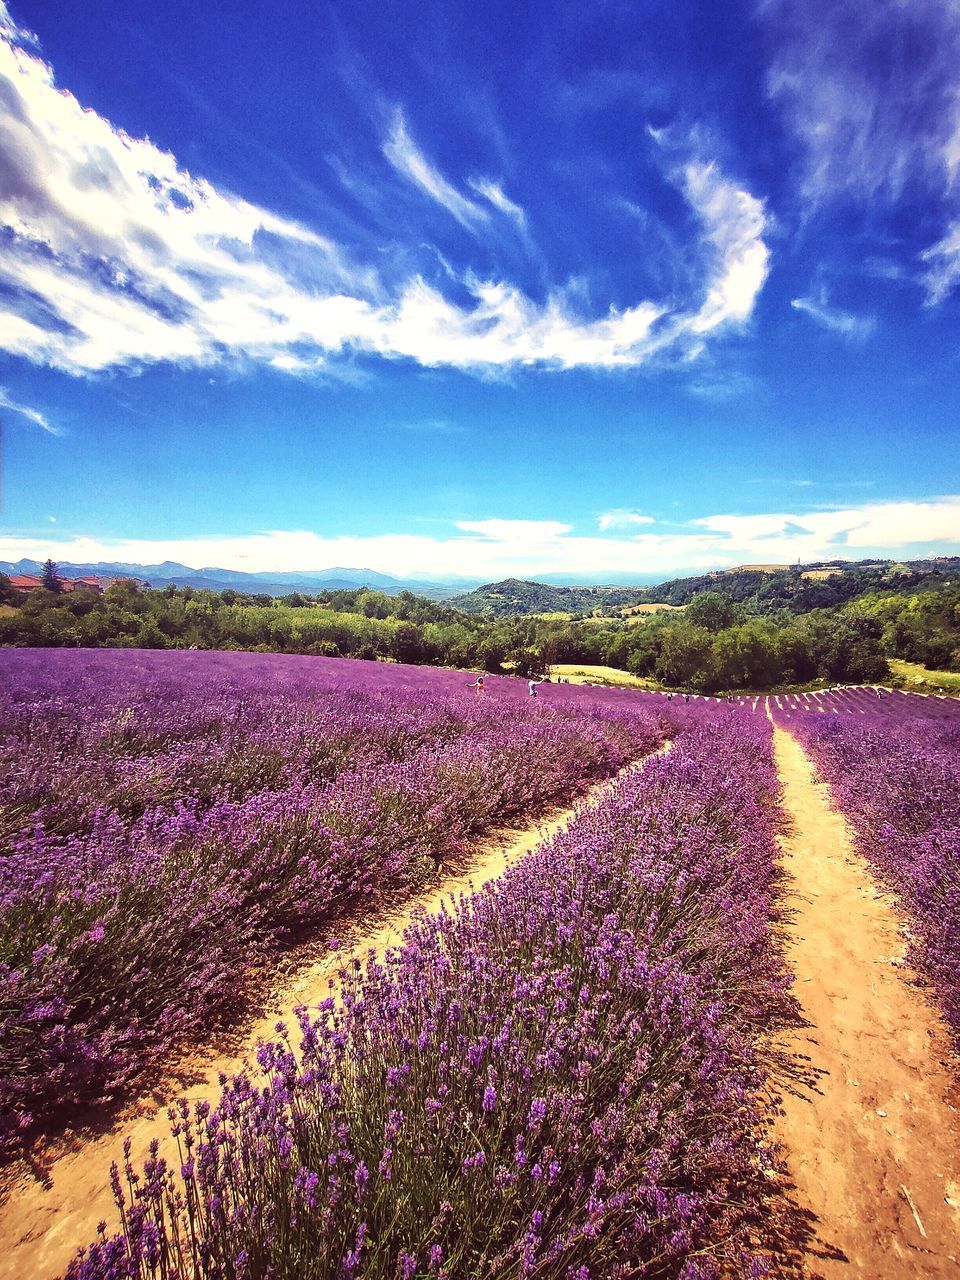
(98,583)
(90,582)
(94,582)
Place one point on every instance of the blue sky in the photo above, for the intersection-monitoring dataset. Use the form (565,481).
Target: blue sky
(452,288)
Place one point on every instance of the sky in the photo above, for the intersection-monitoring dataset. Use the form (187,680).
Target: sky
(480,289)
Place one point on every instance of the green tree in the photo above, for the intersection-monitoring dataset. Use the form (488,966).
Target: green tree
(712,610)
(685,657)
(795,658)
(149,636)
(50,577)
(374,604)
(406,643)
(745,657)
(528,662)
(492,654)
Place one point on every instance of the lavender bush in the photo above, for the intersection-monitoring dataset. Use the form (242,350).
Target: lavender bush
(558,1078)
(168,820)
(893,765)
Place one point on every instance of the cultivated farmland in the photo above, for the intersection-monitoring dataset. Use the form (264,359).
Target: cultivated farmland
(166,824)
(580,1069)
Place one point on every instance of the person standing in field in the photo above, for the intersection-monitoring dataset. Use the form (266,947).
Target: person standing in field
(532,687)
(478,685)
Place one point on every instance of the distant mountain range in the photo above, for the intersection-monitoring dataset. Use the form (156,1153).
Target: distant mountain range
(271,584)
(765,586)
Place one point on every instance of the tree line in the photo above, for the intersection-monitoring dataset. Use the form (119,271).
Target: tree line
(715,643)
(797,590)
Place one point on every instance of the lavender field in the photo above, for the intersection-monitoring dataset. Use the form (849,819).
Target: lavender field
(167,822)
(559,1078)
(573,1073)
(893,765)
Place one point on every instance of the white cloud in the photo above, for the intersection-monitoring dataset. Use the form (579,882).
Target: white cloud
(943,269)
(856,328)
(10,29)
(497,548)
(25,411)
(620,519)
(846,531)
(493,192)
(522,532)
(506,328)
(407,159)
(734,223)
(117,257)
(120,256)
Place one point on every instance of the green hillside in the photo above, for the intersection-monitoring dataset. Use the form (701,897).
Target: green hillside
(760,589)
(515,597)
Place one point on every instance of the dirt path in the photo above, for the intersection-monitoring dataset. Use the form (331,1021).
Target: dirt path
(43,1221)
(872,1140)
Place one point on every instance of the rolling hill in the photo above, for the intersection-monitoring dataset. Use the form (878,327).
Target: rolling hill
(762,588)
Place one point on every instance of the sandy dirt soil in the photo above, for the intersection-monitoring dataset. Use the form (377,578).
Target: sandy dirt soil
(55,1205)
(870,1131)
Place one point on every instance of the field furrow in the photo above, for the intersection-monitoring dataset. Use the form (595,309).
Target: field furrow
(869,1125)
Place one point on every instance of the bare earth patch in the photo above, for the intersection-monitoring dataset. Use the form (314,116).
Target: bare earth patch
(871,1138)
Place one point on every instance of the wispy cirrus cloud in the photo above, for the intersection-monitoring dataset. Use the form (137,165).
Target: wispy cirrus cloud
(116,257)
(496,548)
(408,160)
(845,323)
(494,193)
(941,271)
(870,91)
(25,411)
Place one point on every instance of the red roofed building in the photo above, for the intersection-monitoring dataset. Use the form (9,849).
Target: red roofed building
(26,582)
(91,582)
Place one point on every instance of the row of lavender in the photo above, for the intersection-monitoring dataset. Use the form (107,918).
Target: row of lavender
(559,1078)
(869,700)
(166,820)
(897,778)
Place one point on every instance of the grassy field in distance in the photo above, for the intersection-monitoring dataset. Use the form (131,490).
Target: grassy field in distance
(916,676)
(581,673)
(634,613)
